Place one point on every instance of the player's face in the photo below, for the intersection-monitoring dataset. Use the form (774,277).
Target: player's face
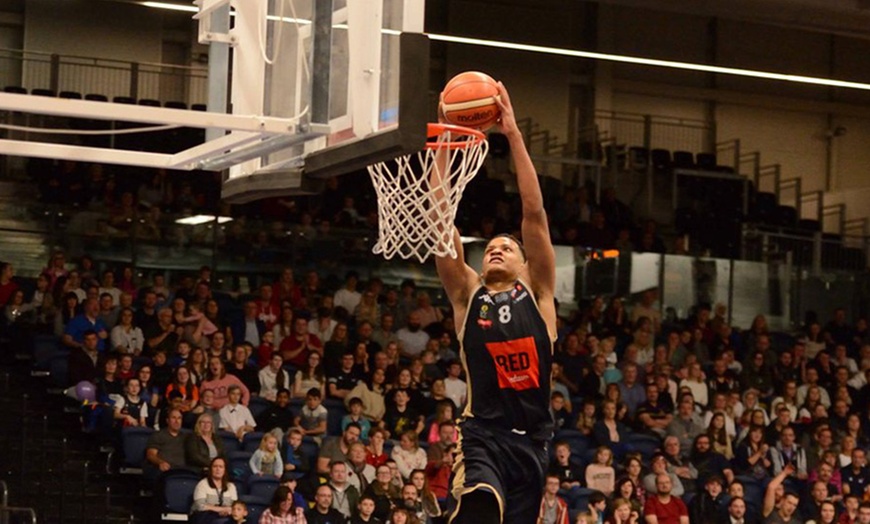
(502,256)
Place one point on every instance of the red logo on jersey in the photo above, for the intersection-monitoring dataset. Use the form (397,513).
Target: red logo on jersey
(516,362)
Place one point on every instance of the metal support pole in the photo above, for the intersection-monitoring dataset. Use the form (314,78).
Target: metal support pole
(54,78)
(134,81)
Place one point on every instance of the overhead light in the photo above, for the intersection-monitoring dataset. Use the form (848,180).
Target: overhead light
(558,51)
(471,240)
(197,220)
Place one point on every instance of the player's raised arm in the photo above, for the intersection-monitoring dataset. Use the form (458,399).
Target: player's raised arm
(456,276)
(536,231)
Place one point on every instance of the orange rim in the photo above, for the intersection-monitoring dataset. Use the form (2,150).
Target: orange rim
(474,136)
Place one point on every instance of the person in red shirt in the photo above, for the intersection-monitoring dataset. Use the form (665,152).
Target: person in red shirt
(664,508)
(267,310)
(296,347)
(7,286)
(286,290)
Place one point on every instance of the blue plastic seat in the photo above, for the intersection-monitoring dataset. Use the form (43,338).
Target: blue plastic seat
(251,441)
(262,487)
(133,442)
(178,491)
(239,467)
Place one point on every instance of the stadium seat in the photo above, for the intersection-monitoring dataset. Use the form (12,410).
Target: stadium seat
(580,498)
(231,443)
(44,348)
(123,100)
(661,159)
(256,507)
(240,470)
(258,405)
(578,442)
(58,368)
(17,90)
(175,105)
(133,442)
(178,491)
(706,161)
(148,102)
(262,487)
(251,441)
(70,95)
(310,449)
(684,160)
(43,92)
(638,158)
(753,491)
(199,107)
(785,216)
(646,445)
(96,97)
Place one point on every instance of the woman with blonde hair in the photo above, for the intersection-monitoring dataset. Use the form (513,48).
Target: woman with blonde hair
(408,454)
(203,445)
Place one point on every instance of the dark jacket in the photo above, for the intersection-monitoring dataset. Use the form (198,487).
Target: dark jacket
(196,450)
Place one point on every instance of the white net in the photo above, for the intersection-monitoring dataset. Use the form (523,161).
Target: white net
(418,194)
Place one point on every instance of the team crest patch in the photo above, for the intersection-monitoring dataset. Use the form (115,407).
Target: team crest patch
(483,317)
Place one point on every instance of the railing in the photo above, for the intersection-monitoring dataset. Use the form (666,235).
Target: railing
(657,132)
(112,78)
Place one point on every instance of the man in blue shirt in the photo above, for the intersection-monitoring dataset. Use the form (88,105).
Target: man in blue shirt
(88,320)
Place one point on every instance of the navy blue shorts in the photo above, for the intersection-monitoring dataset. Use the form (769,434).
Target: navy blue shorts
(509,465)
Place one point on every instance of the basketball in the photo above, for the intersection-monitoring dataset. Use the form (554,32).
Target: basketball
(468,100)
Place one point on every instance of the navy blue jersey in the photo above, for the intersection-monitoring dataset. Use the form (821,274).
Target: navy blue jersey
(508,353)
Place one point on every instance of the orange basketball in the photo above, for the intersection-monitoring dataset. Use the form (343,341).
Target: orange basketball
(468,100)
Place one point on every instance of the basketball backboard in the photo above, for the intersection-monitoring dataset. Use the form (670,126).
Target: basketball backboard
(299,90)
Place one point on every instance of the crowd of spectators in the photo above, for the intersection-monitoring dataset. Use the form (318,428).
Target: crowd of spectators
(654,416)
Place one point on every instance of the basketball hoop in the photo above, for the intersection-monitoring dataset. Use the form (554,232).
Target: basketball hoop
(418,194)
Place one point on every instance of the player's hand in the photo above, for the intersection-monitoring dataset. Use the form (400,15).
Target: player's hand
(507,123)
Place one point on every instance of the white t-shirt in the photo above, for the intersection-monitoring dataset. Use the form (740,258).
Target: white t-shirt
(347,299)
(234,417)
(456,390)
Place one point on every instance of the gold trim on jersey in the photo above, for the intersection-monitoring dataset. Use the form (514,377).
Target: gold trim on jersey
(458,488)
(460,335)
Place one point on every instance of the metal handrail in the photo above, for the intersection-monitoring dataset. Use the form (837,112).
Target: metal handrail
(28,512)
(835,209)
(766,171)
(818,197)
(797,184)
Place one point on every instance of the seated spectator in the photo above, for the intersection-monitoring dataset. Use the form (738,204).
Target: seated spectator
(125,337)
(609,431)
(600,474)
(719,436)
(250,328)
(652,416)
(624,513)
(235,417)
(856,476)
(708,463)
(203,445)
(344,495)
(570,474)
(371,394)
(84,360)
(296,348)
(787,453)
(412,338)
(219,381)
(165,448)
(408,454)
(752,457)
(322,512)
(359,472)
(401,417)
(659,466)
(711,503)
(312,418)
(554,510)
(109,311)
(662,507)
(296,461)
(130,409)
(278,417)
(206,405)
(336,449)
(283,509)
(183,384)
(311,376)
(365,511)
(214,495)
(686,424)
(273,377)
(375,454)
(356,416)
(383,492)
(108,385)
(344,379)
(88,320)
(245,372)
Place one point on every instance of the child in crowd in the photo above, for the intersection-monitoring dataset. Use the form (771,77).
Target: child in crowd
(587,417)
(238,512)
(312,418)
(557,409)
(355,415)
(295,460)
(267,459)
(236,417)
(600,474)
(570,475)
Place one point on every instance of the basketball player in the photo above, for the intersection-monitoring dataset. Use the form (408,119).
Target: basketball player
(506,319)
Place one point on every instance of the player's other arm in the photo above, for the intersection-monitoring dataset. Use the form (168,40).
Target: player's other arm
(535,229)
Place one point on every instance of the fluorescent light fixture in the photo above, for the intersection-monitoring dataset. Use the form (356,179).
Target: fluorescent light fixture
(558,51)
(471,240)
(171,7)
(197,220)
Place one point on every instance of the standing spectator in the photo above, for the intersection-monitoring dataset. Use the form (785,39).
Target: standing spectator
(662,508)
(214,495)
(554,510)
